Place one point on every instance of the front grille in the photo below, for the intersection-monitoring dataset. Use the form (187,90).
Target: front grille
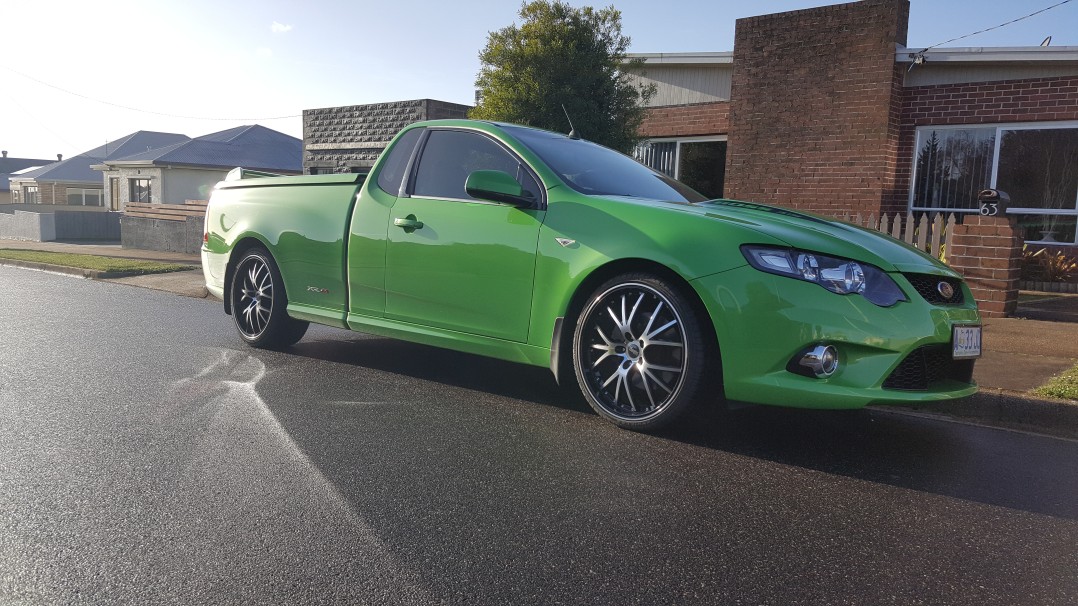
(927,365)
(927,286)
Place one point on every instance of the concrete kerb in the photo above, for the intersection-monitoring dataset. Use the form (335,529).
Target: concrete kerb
(96,274)
(1004,409)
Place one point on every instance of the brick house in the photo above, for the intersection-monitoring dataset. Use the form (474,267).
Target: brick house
(10,166)
(350,138)
(826,110)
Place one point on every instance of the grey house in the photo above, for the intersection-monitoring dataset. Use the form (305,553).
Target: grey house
(72,181)
(188,169)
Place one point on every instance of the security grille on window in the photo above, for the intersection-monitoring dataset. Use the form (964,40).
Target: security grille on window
(698,163)
(140,191)
(1036,164)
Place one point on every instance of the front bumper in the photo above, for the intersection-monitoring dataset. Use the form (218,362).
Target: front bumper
(763,321)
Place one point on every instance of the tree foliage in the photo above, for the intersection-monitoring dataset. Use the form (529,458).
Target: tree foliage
(563,55)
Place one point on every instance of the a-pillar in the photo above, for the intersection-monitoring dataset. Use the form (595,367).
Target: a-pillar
(987,251)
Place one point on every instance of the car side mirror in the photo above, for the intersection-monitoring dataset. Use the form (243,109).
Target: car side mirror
(497,186)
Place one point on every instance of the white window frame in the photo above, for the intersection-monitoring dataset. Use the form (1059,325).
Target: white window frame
(679,141)
(33,194)
(81,191)
(999,128)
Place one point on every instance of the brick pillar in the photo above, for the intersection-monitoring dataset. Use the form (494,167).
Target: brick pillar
(815,107)
(987,251)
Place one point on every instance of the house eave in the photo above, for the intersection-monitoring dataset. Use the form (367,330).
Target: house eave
(711,58)
(986,54)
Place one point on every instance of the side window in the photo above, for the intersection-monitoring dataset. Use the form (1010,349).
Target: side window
(450,156)
(392,172)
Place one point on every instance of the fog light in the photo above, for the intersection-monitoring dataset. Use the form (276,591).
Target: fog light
(822,360)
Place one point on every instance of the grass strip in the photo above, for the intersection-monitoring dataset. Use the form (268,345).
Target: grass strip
(95,262)
(1064,385)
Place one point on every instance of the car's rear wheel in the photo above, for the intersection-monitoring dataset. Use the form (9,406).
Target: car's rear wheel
(259,303)
(638,352)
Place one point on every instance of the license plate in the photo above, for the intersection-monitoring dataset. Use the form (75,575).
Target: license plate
(966,342)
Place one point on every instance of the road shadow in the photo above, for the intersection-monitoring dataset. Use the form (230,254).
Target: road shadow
(979,464)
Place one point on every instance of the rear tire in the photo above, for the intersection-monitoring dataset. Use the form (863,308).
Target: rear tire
(259,303)
(639,352)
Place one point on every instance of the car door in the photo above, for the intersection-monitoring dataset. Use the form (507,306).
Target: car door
(455,262)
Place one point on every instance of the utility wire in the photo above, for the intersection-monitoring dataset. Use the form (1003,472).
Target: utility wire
(147,111)
(988,29)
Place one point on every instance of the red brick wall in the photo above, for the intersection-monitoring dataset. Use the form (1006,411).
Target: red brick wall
(1031,100)
(687,120)
(814,113)
(987,251)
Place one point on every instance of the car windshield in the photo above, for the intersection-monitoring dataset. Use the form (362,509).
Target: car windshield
(592,169)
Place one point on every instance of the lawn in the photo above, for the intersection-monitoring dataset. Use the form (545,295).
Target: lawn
(108,264)
(1063,385)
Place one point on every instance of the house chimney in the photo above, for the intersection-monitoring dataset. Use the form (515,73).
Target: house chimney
(59,157)
(5,153)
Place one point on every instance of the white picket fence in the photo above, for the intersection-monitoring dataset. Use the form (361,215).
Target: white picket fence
(932,235)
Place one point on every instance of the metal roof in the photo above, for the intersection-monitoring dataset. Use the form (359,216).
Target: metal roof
(12,165)
(251,146)
(76,169)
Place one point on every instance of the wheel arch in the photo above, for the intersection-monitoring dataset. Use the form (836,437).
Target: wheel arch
(561,345)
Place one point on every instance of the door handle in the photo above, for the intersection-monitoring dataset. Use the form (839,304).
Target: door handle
(409,223)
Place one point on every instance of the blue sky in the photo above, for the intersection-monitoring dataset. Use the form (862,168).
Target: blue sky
(237,60)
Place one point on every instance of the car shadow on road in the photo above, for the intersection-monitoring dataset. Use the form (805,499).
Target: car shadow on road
(984,465)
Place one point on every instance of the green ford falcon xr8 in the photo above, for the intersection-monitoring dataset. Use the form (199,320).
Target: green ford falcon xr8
(545,249)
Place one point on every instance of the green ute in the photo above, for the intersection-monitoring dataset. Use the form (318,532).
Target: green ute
(533,247)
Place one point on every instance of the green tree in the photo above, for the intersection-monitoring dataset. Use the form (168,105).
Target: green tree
(563,55)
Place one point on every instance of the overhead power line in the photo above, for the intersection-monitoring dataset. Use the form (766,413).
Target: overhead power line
(988,29)
(147,111)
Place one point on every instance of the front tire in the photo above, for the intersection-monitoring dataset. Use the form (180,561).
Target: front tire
(259,303)
(639,352)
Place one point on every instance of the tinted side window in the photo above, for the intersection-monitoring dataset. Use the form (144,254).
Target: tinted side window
(389,178)
(450,156)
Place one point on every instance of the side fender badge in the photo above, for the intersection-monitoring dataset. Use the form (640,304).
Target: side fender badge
(565,241)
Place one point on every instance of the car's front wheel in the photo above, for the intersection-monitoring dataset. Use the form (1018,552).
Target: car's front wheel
(259,302)
(639,352)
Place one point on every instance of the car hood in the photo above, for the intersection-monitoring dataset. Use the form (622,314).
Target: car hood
(816,234)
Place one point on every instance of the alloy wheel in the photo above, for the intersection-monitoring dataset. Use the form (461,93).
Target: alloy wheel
(632,352)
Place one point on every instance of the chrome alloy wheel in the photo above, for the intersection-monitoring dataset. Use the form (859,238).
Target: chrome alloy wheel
(253,302)
(632,352)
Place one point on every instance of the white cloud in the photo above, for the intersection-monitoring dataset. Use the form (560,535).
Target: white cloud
(280,28)
(264,52)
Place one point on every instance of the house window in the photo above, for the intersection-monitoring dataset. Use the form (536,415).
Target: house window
(31,195)
(1036,164)
(15,196)
(140,191)
(83,197)
(699,163)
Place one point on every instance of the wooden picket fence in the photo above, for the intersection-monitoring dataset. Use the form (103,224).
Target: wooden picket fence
(930,234)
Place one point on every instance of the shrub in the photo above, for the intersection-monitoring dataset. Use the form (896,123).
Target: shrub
(1047,266)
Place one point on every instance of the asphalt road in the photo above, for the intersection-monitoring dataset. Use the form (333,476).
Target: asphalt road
(147,457)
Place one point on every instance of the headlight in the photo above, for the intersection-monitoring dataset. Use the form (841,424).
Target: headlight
(841,276)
